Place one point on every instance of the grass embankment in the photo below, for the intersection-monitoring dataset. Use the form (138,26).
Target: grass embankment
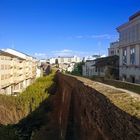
(127,103)
(25,103)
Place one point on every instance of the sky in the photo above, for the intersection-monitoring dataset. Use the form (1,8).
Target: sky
(48,28)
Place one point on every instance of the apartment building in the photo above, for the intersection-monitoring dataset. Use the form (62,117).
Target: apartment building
(64,59)
(73,59)
(113,49)
(52,60)
(129,44)
(17,71)
(67,63)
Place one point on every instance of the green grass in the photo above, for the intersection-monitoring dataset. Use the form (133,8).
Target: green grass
(26,102)
(126,103)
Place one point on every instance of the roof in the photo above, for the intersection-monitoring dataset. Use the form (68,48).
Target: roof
(8,54)
(17,53)
(110,60)
(131,19)
(134,15)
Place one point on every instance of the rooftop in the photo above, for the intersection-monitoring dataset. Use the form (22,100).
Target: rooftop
(131,19)
(17,53)
(134,16)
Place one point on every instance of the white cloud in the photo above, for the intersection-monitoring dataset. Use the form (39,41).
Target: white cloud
(64,52)
(79,36)
(98,36)
(40,55)
(102,36)
(67,52)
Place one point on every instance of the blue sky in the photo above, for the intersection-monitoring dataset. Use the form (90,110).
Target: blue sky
(46,28)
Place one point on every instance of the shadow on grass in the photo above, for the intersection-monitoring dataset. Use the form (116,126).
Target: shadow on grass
(25,128)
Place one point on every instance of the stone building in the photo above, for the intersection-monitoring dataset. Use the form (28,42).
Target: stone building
(88,69)
(102,67)
(129,44)
(113,49)
(107,67)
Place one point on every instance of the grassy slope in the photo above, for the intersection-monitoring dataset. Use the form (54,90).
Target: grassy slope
(22,105)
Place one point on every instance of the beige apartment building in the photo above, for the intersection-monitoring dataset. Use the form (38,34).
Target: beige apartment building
(17,71)
(71,59)
(129,44)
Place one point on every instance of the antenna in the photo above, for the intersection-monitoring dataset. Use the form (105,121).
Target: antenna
(99,45)
(13,45)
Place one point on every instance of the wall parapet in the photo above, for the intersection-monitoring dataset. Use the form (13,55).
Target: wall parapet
(119,84)
(92,114)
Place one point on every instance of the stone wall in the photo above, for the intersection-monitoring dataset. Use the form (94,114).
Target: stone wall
(86,114)
(119,84)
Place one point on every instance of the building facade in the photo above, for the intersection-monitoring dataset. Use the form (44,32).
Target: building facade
(73,59)
(107,67)
(88,69)
(17,71)
(113,49)
(129,44)
(52,60)
(65,63)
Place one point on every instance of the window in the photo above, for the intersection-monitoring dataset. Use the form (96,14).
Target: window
(2,57)
(132,78)
(5,67)
(132,56)
(5,76)
(102,69)
(69,60)
(112,52)
(2,77)
(62,60)
(124,57)
(96,69)
(2,67)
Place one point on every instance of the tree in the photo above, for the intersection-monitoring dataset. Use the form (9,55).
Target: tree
(78,69)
